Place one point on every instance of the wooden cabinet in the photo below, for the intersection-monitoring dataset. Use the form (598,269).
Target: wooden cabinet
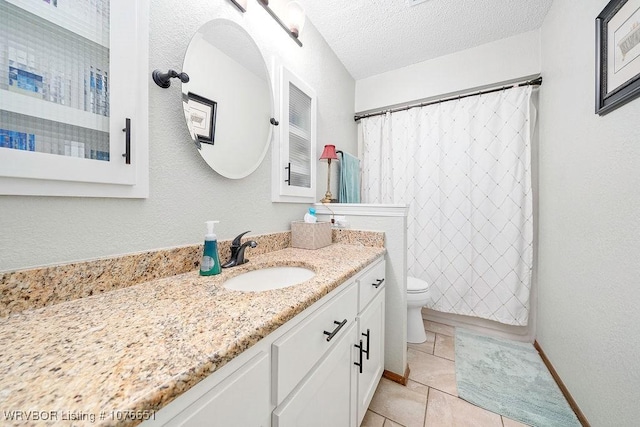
(73,91)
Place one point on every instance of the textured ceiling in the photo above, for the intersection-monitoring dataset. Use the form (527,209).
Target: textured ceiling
(374,36)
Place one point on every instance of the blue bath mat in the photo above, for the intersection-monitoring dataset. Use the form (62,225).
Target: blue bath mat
(510,379)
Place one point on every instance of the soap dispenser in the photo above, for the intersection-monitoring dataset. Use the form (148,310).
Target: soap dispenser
(210,264)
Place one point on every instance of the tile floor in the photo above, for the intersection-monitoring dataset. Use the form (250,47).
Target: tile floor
(430,398)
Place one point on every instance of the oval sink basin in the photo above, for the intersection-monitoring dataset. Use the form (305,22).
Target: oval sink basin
(269,278)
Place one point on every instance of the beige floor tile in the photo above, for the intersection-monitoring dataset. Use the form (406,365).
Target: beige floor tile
(399,403)
(508,422)
(389,423)
(439,328)
(444,410)
(426,346)
(445,347)
(432,371)
(371,419)
(417,387)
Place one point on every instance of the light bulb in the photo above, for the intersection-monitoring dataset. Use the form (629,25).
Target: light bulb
(295,18)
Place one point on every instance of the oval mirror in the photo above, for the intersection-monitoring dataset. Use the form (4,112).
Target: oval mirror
(228,101)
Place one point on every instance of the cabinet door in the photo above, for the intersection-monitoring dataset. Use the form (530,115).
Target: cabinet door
(300,349)
(68,92)
(370,283)
(240,400)
(295,157)
(371,332)
(327,396)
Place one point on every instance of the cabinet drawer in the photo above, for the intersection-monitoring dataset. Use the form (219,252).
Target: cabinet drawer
(325,397)
(296,352)
(370,284)
(226,404)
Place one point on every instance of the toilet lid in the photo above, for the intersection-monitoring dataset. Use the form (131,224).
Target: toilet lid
(415,285)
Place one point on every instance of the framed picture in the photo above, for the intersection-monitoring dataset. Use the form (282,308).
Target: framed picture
(202,117)
(617,55)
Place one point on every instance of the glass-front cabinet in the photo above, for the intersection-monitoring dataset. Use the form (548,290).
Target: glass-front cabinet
(295,157)
(73,97)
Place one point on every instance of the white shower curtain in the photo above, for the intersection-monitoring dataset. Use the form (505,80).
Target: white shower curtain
(464,169)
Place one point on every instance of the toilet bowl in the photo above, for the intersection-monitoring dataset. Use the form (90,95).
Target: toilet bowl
(417,297)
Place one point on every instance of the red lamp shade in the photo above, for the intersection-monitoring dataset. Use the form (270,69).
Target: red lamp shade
(329,152)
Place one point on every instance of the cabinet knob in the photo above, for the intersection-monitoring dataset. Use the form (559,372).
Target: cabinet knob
(336,330)
(377,283)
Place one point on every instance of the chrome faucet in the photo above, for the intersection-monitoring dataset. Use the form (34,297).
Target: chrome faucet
(237,251)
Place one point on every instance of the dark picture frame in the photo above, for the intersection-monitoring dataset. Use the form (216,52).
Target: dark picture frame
(617,55)
(202,116)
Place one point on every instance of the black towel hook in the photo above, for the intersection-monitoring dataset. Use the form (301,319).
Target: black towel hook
(164,79)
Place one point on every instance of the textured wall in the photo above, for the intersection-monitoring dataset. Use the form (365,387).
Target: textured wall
(184,192)
(490,63)
(589,269)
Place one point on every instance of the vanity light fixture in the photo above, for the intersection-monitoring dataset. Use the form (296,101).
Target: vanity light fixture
(292,23)
(240,4)
(295,18)
(328,154)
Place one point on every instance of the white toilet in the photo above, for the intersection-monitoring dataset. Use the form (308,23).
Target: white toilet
(417,297)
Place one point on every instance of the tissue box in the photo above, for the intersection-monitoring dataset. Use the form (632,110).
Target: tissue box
(309,235)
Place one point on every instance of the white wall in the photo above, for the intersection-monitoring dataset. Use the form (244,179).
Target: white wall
(589,253)
(184,192)
(490,63)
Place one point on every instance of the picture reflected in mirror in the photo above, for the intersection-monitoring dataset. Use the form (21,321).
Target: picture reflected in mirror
(201,118)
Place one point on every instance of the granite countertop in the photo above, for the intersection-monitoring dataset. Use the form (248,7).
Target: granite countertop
(138,348)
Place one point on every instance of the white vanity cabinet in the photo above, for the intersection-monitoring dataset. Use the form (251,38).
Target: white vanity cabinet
(306,373)
(338,390)
(313,366)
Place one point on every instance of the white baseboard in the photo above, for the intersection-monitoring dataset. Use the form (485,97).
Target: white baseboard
(483,326)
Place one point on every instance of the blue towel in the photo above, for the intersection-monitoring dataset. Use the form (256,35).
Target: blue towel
(349,179)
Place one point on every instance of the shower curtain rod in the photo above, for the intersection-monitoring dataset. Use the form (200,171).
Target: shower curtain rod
(533,82)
